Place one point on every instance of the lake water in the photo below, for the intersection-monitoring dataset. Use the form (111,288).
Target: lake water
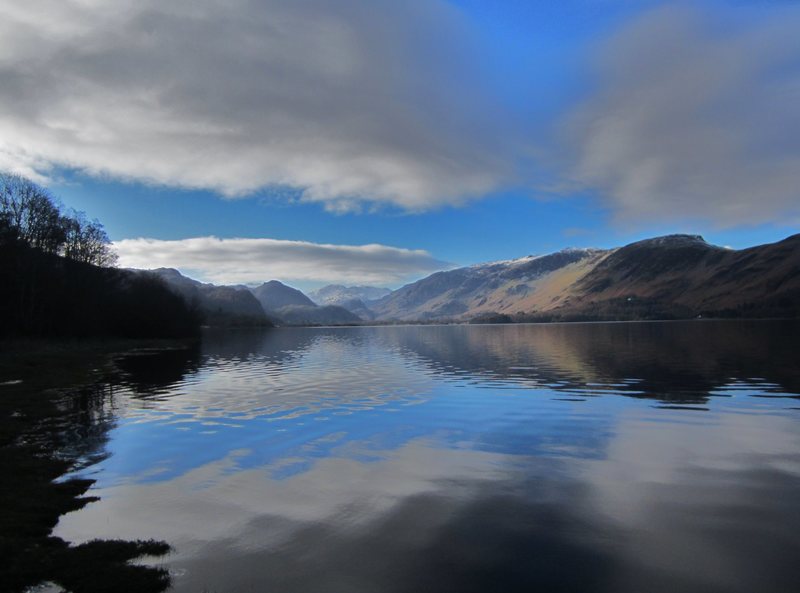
(623,457)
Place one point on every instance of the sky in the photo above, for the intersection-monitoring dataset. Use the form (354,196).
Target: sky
(374,142)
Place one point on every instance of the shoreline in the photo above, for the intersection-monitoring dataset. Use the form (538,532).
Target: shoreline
(37,377)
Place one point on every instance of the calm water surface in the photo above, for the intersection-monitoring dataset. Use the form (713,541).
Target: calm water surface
(591,458)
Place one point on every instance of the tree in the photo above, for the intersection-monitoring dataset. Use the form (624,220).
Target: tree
(29,215)
(86,241)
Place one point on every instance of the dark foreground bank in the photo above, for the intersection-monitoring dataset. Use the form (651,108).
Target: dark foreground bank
(48,392)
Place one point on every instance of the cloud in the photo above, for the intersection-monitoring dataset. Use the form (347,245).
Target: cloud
(252,261)
(350,102)
(695,116)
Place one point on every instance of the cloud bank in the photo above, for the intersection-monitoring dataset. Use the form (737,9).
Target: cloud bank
(692,112)
(348,101)
(695,115)
(252,261)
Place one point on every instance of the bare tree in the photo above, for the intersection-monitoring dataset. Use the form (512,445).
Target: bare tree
(86,241)
(29,214)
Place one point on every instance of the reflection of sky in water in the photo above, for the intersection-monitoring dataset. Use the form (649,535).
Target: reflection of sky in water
(475,419)
(406,459)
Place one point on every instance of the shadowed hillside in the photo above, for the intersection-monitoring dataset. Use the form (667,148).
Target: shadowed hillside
(684,276)
(56,279)
(672,277)
(226,306)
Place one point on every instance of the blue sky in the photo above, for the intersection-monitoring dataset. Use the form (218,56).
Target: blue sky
(472,130)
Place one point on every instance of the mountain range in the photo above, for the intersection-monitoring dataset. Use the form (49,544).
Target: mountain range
(356,299)
(272,303)
(670,277)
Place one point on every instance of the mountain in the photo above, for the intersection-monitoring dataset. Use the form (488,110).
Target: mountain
(675,276)
(219,305)
(315,315)
(497,287)
(683,276)
(336,294)
(356,299)
(272,303)
(273,295)
(358,307)
(292,307)
(670,277)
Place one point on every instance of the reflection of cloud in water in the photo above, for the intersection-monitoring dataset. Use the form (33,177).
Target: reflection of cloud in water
(339,520)
(446,459)
(712,504)
(671,505)
(228,500)
(300,371)
(270,392)
(279,377)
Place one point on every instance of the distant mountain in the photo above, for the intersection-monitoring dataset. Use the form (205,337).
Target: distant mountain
(358,307)
(676,276)
(292,307)
(356,299)
(496,287)
(336,294)
(273,295)
(315,315)
(272,303)
(219,305)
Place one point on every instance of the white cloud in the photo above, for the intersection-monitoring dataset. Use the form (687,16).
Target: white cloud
(252,261)
(350,102)
(695,116)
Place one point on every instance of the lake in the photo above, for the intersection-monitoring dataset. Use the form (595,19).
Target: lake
(607,457)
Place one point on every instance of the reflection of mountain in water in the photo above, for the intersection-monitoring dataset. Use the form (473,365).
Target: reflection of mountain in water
(275,345)
(290,368)
(287,458)
(681,361)
(237,377)
(270,373)
(150,372)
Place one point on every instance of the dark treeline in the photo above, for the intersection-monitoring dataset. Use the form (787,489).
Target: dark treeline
(56,277)
(30,216)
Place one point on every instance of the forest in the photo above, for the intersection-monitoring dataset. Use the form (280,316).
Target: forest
(57,276)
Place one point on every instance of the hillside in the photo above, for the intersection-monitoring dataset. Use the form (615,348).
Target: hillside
(336,294)
(503,287)
(57,276)
(670,277)
(314,315)
(684,276)
(47,295)
(218,305)
(273,295)
(291,307)
(358,300)
(271,303)
(676,276)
